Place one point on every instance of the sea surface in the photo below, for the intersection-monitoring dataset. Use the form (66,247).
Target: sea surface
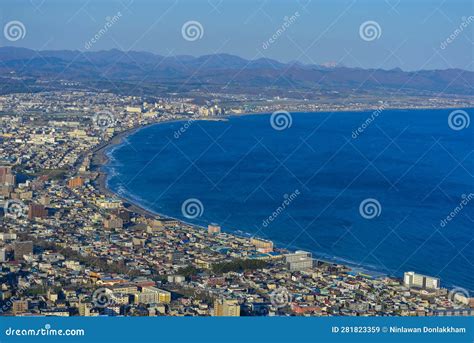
(377,197)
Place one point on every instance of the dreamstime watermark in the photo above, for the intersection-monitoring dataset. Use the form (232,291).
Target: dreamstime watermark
(103,120)
(465,22)
(370,30)
(192,208)
(370,208)
(280,297)
(9,303)
(459,120)
(183,128)
(367,122)
(102,298)
(46,331)
(288,199)
(15,209)
(281,120)
(109,22)
(459,297)
(287,22)
(465,199)
(14,30)
(192,30)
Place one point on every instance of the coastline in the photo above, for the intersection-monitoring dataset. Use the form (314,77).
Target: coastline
(100,160)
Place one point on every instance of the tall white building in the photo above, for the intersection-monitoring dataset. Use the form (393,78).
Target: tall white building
(299,260)
(412,279)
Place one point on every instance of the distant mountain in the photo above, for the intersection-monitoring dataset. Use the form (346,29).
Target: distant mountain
(119,69)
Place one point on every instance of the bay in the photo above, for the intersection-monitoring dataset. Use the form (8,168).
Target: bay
(409,164)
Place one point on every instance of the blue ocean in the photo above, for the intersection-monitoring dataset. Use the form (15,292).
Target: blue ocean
(390,191)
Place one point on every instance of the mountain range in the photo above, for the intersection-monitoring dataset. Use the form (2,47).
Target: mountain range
(146,72)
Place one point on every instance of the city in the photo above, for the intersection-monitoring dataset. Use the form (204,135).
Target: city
(236,171)
(69,247)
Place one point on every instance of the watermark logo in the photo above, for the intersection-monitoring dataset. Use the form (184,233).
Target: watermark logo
(9,303)
(281,120)
(288,199)
(280,297)
(459,120)
(14,30)
(178,133)
(465,22)
(370,30)
(192,208)
(287,22)
(192,30)
(370,208)
(356,133)
(465,199)
(459,297)
(102,298)
(15,209)
(109,22)
(47,330)
(103,120)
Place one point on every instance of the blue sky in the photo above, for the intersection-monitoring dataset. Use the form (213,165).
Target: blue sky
(410,36)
